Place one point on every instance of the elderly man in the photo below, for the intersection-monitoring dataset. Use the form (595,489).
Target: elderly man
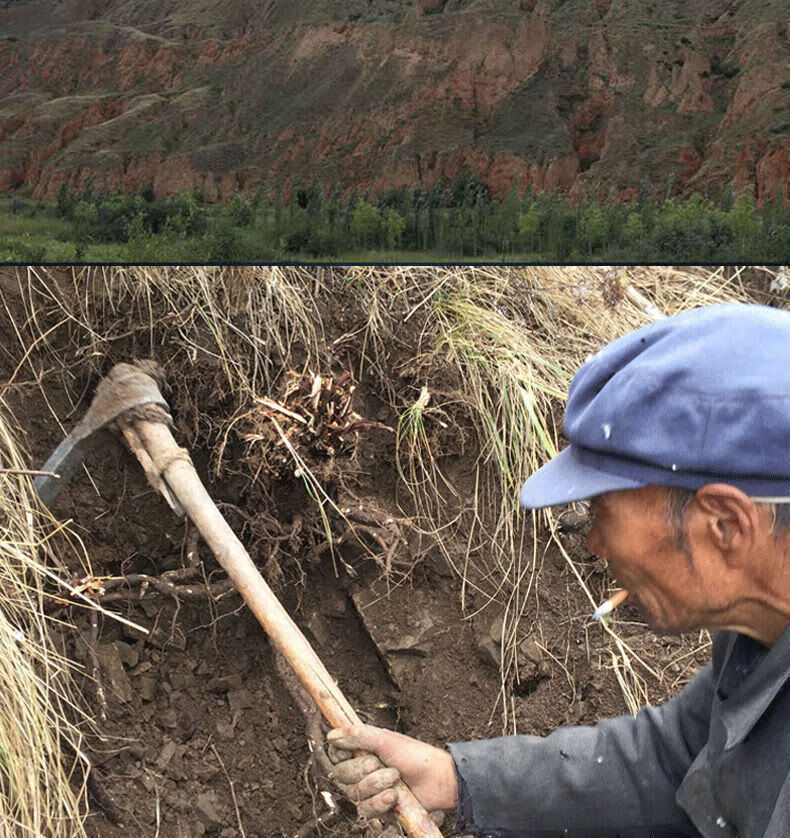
(680,437)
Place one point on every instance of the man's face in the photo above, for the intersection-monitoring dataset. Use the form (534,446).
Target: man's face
(632,532)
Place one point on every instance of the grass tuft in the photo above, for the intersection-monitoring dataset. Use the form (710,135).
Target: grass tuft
(41,764)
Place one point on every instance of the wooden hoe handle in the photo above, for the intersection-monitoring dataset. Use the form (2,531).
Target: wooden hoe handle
(154,446)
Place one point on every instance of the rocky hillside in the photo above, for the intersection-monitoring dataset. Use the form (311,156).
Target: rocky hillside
(622,95)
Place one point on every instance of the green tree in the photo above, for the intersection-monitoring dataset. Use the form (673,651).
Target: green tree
(775,230)
(746,225)
(136,229)
(466,190)
(683,230)
(147,193)
(632,229)
(184,216)
(553,242)
(506,221)
(86,218)
(87,191)
(394,225)
(592,228)
(294,229)
(442,228)
(463,235)
(65,202)
(115,211)
(365,223)
(528,226)
(314,199)
(223,244)
(421,227)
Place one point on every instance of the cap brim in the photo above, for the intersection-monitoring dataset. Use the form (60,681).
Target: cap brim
(565,479)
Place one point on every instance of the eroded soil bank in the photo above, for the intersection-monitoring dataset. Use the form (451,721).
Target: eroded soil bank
(195,732)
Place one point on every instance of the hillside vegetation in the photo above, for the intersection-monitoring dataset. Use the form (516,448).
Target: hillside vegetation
(451,222)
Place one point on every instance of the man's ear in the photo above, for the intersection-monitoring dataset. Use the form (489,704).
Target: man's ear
(731,518)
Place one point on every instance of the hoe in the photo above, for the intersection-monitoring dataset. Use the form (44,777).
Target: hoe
(129,398)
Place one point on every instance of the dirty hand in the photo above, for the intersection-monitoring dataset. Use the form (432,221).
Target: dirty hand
(370,780)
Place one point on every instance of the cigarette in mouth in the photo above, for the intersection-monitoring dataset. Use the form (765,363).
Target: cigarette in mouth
(610,604)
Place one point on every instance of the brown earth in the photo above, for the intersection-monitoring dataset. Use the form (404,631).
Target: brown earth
(608,97)
(197,734)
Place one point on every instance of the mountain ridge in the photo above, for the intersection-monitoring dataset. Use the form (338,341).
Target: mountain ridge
(617,98)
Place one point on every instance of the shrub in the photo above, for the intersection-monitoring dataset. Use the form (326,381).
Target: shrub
(240,211)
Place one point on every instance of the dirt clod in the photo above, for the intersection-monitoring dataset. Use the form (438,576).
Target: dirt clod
(225,684)
(240,700)
(117,684)
(207,810)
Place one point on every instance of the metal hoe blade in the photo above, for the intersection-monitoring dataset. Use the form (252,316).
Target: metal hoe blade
(125,387)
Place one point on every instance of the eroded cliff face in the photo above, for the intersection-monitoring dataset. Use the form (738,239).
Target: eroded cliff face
(612,97)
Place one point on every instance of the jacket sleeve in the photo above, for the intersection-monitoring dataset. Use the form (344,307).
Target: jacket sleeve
(621,774)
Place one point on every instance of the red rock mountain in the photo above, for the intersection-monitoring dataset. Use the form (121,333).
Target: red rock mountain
(610,96)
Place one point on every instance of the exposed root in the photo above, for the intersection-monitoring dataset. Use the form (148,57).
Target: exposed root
(268,535)
(383,530)
(134,586)
(95,671)
(232,791)
(101,797)
(161,585)
(319,822)
(314,721)
(315,420)
(319,764)
(190,556)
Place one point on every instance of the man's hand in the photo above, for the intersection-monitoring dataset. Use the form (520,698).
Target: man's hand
(429,772)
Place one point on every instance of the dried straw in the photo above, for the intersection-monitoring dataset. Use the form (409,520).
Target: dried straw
(41,769)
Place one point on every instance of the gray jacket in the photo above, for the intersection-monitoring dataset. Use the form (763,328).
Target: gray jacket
(715,760)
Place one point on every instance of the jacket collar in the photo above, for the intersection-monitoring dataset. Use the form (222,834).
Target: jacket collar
(750,699)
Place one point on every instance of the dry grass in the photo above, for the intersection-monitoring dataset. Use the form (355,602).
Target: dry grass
(484,357)
(244,326)
(41,790)
(515,337)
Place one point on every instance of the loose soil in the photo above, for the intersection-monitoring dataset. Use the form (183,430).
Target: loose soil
(196,733)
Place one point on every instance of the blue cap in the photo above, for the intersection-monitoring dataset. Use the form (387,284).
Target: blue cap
(700,397)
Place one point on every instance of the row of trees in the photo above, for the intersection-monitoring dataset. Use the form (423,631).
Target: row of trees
(463,219)
(455,219)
